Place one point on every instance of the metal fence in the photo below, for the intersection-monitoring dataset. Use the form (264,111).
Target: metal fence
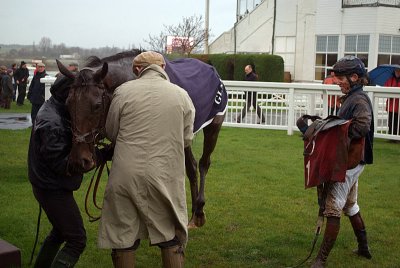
(281,104)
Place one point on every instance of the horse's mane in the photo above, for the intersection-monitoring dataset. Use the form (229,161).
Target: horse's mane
(94,61)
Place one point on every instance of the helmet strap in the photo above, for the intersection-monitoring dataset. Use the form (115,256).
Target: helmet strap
(351,83)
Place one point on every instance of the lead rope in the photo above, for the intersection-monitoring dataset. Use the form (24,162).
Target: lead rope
(37,234)
(100,168)
(99,171)
(320,221)
(96,185)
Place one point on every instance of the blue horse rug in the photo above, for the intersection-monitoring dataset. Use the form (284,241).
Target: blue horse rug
(204,86)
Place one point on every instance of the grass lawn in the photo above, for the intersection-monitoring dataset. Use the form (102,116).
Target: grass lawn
(258,213)
(26,108)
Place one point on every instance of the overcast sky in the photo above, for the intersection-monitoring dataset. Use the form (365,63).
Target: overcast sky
(99,23)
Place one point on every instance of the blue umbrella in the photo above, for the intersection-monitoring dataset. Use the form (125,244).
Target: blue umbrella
(382,73)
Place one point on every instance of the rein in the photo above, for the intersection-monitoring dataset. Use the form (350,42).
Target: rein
(99,171)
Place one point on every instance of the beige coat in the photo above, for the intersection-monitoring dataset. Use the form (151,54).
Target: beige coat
(151,121)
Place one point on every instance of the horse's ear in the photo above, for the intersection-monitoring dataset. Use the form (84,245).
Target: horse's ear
(64,70)
(101,74)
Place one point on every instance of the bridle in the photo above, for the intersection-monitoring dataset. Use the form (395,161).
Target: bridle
(98,133)
(92,138)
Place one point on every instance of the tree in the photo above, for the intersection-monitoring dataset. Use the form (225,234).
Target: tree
(158,43)
(186,37)
(45,44)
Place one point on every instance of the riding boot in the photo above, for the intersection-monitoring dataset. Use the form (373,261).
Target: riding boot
(173,257)
(47,253)
(123,258)
(331,232)
(64,260)
(359,230)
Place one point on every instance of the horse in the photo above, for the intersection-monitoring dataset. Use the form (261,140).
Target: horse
(91,94)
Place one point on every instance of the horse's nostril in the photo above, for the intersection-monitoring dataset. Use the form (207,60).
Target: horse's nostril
(87,163)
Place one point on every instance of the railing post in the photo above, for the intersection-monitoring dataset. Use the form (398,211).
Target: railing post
(375,107)
(312,105)
(325,104)
(291,111)
(48,82)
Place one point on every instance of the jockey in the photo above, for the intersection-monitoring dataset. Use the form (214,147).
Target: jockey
(351,76)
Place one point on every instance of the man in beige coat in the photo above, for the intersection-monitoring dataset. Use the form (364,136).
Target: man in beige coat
(151,122)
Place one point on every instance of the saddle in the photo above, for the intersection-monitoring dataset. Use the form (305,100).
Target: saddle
(328,151)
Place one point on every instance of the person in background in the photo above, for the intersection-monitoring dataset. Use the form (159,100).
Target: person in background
(150,121)
(14,68)
(21,78)
(3,70)
(251,96)
(73,67)
(36,91)
(7,88)
(36,69)
(351,76)
(53,182)
(392,104)
(333,100)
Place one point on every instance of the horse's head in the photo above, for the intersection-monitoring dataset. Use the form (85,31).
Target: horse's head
(88,102)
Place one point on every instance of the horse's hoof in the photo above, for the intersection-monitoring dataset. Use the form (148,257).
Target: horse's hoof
(192,225)
(197,221)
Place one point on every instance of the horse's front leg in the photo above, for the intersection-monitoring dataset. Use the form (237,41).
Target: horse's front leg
(191,172)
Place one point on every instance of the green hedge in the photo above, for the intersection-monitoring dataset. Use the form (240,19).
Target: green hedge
(231,67)
(268,67)
(225,65)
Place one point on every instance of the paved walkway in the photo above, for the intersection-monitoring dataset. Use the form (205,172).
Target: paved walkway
(15,121)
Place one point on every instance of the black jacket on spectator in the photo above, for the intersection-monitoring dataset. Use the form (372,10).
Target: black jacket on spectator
(21,73)
(6,85)
(36,89)
(251,77)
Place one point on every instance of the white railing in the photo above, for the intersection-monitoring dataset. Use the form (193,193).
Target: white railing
(283,103)
(48,81)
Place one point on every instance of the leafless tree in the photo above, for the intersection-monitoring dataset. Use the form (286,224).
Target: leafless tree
(45,44)
(158,43)
(188,36)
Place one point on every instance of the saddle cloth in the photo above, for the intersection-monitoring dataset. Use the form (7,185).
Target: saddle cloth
(326,151)
(204,86)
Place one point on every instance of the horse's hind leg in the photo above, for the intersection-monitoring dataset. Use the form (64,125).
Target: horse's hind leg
(211,133)
(191,172)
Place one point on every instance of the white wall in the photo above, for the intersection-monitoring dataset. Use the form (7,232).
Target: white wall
(298,22)
(253,33)
(332,19)
(223,44)
(285,33)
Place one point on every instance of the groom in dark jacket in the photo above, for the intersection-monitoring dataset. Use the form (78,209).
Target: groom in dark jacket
(52,182)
